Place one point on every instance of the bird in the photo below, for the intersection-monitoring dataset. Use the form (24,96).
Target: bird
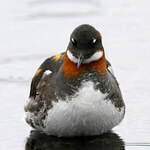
(75,92)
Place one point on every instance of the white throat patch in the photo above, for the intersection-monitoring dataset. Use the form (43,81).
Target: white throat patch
(96,56)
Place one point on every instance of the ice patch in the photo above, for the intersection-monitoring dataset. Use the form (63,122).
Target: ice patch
(62,8)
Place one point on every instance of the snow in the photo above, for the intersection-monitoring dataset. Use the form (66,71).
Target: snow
(33,30)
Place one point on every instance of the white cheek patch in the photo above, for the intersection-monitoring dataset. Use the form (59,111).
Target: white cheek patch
(96,56)
(71,57)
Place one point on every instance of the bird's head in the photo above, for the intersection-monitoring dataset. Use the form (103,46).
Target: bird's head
(84,51)
(85,45)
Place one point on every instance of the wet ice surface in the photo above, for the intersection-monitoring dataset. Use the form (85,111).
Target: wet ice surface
(32,30)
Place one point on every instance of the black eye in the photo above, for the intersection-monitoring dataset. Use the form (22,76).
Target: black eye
(94,41)
(74,42)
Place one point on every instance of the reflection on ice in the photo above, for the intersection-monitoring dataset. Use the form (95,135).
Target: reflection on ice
(107,141)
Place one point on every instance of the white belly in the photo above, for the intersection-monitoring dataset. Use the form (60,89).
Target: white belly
(87,113)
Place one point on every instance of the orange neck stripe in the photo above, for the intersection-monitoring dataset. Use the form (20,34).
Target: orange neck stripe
(70,68)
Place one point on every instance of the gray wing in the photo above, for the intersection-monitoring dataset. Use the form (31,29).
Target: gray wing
(51,64)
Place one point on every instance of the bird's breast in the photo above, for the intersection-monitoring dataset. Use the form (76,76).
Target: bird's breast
(87,112)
